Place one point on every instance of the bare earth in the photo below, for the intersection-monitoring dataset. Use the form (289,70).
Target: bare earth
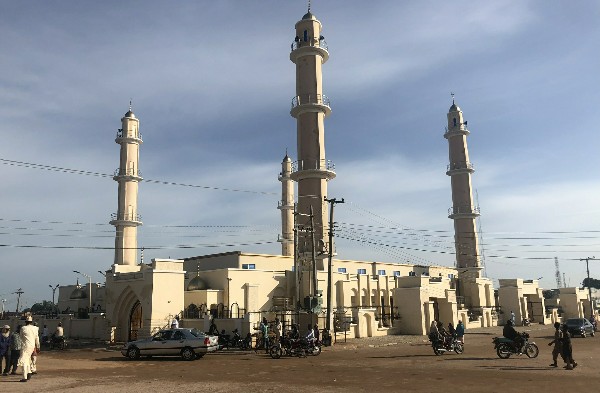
(393,363)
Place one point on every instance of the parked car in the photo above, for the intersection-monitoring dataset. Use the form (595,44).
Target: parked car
(190,344)
(580,327)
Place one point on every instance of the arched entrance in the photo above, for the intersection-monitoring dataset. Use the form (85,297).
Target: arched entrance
(135,321)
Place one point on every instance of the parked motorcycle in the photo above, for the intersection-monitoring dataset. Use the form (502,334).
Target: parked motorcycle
(506,347)
(441,345)
(526,322)
(295,347)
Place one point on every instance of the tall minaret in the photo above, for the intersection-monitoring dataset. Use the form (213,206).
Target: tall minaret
(310,107)
(286,205)
(127,219)
(463,210)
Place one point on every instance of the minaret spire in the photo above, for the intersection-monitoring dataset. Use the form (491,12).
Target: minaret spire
(286,205)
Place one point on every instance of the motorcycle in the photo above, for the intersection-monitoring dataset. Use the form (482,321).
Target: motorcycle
(295,347)
(506,347)
(526,322)
(58,342)
(441,345)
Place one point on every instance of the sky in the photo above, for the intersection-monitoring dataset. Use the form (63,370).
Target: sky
(212,83)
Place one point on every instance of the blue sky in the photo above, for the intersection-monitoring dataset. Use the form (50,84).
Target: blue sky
(211,83)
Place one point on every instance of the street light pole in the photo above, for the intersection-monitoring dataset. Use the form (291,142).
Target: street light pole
(53,291)
(90,281)
(332,203)
(3,301)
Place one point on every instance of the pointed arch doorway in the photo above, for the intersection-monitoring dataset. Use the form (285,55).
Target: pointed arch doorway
(136,321)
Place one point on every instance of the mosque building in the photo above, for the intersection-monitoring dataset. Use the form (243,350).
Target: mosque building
(368,298)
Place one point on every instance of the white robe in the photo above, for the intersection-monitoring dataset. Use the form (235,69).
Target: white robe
(30,342)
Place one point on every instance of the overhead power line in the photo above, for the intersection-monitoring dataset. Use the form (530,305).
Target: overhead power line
(106,175)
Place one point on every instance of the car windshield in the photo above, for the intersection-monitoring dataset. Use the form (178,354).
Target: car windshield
(574,322)
(197,333)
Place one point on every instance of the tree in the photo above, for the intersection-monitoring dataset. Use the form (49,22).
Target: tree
(44,307)
(592,282)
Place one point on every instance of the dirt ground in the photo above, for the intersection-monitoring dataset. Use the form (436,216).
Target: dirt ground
(392,363)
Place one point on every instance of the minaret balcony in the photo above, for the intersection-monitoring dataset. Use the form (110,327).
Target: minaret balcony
(283,176)
(457,168)
(126,219)
(313,169)
(128,136)
(127,174)
(310,103)
(283,205)
(463,211)
(456,131)
(309,48)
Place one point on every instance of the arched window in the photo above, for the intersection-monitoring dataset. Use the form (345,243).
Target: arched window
(454,120)
(305,35)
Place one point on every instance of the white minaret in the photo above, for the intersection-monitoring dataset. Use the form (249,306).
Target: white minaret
(286,205)
(309,108)
(126,219)
(463,210)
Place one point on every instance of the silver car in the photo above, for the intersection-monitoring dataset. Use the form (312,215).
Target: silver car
(190,344)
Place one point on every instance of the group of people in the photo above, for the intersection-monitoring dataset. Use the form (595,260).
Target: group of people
(312,332)
(437,331)
(562,347)
(21,347)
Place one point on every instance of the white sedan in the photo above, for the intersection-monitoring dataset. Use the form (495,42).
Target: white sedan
(190,344)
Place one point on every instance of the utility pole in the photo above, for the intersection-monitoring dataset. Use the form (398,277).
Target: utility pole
(332,203)
(589,283)
(557,273)
(18,293)
(296,264)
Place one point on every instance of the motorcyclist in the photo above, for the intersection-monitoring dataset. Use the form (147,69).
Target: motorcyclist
(510,333)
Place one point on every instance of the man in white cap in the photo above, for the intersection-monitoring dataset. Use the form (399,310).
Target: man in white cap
(30,342)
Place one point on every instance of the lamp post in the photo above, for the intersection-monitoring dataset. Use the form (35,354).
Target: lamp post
(90,281)
(53,291)
(3,301)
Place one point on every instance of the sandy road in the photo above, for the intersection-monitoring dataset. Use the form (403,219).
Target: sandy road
(393,363)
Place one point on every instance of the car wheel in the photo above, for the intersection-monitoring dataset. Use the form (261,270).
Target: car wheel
(133,353)
(187,353)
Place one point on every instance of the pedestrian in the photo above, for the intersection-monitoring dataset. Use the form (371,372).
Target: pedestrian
(557,350)
(175,322)
(277,327)
(310,333)
(567,349)
(5,349)
(512,317)
(45,335)
(264,329)
(15,349)
(30,341)
(316,332)
(213,330)
(434,333)
(460,332)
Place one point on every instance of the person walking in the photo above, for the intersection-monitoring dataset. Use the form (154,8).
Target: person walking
(264,329)
(567,349)
(557,350)
(30,341)
(512,317)
(45,335)
(15,350)
(460,332)
(277,328)
(5,349)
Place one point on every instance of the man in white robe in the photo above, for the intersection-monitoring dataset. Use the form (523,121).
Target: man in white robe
(30,342)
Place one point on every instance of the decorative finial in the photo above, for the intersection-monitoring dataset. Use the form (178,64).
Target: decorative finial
(130,104)
(308,5)
(452,94)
